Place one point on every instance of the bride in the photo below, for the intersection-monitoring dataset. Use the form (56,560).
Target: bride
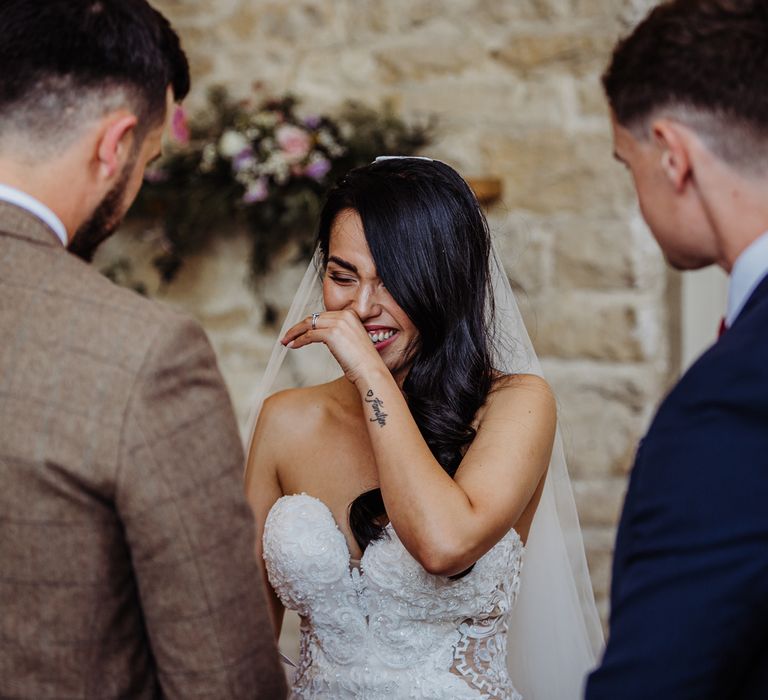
(398,503)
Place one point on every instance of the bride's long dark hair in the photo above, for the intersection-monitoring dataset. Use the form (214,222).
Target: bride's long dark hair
(431,246)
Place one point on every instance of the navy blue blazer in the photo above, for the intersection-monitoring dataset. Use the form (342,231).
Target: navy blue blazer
(689,598)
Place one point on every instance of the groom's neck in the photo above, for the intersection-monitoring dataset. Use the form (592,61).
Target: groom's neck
(55,183)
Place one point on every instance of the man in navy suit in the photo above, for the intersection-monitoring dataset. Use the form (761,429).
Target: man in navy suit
(689,604)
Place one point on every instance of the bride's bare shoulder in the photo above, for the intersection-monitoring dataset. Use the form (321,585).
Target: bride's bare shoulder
(292,423)
(521,382)
(307,407)
(515,392)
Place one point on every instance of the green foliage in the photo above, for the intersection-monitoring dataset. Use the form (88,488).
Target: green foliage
(263,169)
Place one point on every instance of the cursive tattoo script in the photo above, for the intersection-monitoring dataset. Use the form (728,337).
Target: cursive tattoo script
(377,406)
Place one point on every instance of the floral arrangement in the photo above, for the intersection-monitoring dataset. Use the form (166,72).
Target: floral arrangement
(263,168)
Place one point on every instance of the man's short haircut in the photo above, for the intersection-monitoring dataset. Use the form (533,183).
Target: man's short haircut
(65,62)
(704,62)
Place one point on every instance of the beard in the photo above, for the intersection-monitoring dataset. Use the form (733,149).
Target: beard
(104,221)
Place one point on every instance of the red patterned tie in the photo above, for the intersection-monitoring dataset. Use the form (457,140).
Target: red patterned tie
(723,328)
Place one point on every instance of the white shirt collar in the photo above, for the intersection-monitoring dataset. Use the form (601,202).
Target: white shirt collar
(35,207)
(748,271)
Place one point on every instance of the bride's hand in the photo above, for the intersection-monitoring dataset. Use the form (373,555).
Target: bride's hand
(344,335)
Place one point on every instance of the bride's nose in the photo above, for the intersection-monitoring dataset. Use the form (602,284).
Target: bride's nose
(365,302)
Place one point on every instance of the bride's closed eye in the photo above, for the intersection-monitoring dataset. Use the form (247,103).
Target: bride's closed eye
(342,279)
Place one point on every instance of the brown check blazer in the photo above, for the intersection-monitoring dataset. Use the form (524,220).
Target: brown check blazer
(127,565)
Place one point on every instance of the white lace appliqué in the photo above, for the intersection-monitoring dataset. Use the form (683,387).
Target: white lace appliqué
(389,631)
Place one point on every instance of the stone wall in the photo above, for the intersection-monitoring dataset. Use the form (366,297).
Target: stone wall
(515,87)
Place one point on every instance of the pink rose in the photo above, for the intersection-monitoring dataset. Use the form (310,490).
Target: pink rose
(294,142)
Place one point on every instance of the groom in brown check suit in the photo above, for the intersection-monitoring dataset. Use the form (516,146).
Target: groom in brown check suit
(126,545)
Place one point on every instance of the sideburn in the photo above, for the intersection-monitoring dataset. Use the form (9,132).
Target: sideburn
(104,221)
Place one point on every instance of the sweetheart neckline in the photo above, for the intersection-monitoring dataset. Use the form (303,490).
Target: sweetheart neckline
(360,568)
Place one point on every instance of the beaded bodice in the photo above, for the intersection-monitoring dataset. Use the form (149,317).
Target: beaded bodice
(389,629)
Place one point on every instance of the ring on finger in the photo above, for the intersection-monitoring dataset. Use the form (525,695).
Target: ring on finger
(315,316)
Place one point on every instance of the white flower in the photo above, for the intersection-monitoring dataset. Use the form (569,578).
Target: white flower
(208,158)
(326,140)
(346,130)
(231,143)
(244,178)
(267,120)
(278,166)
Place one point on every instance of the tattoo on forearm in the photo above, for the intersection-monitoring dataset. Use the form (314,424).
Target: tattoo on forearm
(377,406)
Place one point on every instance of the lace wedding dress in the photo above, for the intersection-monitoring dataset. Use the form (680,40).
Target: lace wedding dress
(384,628)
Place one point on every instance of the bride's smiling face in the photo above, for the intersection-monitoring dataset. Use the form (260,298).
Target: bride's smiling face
(351,282)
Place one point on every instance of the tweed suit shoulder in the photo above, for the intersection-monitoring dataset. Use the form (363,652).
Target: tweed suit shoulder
(126,551)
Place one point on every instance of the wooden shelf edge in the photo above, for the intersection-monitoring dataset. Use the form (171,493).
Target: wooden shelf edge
(488,190)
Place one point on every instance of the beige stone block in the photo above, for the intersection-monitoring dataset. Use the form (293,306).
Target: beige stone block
(616,398)
(201,45)
(366,18)
(552,172)
(499,106)
(587,325)
(604,611)
(599,544)
(242,385)
(617,17)
(593,253)
(290,22)
(590,97)
(214,284)
(443,54)
(458,144)
(506,12)
(201,67)
(245,23)
(325,78)
(599,539)
(598,453)
(599,502)
(612,14)
(575,52)
(600,563)
(485,15)
(525,251)
(395,16)
(196,13)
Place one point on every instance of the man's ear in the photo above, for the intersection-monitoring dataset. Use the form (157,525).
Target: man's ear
(115,143)
(671,144)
